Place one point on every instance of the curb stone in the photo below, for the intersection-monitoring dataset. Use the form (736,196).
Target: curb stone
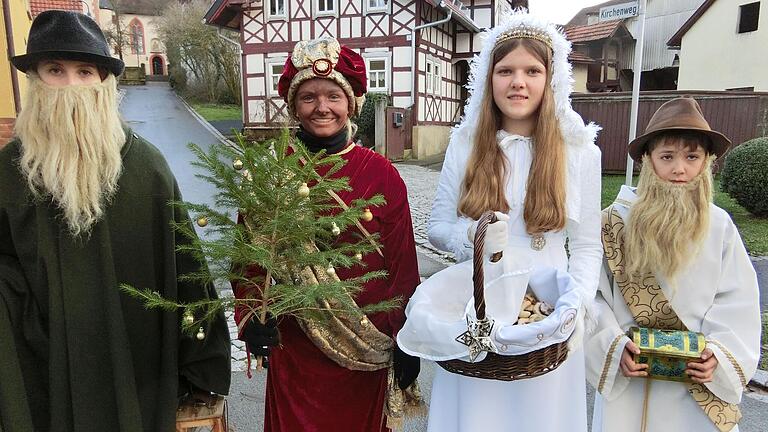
(760,380)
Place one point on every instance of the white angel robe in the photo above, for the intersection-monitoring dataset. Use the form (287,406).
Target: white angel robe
(717,295)
(556,401)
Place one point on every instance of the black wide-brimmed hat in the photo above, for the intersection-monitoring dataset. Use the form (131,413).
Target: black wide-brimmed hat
(64,35)
(681,114)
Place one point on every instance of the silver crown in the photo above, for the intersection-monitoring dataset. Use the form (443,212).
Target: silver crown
(525,32)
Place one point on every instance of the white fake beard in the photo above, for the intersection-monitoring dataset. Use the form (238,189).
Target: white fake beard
(667,223)
(71,139)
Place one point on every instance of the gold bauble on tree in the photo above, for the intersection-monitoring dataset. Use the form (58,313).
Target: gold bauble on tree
(200,334)
(237,164)
(335,229)
(359,256)
(202,221)
(330,270)
(367,215)
(303,190)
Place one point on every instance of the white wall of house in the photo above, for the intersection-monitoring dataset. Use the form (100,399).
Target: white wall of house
(580,78)
(715,56)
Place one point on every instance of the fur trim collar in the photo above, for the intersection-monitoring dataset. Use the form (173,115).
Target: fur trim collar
(574,131)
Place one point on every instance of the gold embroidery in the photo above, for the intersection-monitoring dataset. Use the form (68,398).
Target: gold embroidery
(733,361)
(607,363)
(642,294)
(650,308)
(724,415)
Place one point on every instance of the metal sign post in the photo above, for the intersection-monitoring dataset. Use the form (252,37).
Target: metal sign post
(637,71)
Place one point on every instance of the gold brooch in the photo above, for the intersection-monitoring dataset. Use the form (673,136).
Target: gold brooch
(322,67)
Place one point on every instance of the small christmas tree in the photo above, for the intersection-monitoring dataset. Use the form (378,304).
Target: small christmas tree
(289,224)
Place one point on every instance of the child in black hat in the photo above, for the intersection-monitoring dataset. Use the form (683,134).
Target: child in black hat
(673,262)
(84,207)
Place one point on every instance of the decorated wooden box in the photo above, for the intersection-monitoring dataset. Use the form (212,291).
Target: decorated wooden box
(667,352)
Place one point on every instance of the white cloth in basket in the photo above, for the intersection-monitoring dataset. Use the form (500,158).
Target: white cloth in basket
(437,312)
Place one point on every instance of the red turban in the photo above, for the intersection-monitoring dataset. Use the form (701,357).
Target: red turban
(324,58)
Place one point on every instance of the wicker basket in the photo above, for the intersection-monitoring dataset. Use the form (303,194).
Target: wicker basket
(495,366)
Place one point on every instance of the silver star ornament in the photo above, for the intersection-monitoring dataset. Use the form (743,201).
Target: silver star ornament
(477,338)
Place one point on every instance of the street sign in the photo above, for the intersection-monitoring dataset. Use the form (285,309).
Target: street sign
(619,11)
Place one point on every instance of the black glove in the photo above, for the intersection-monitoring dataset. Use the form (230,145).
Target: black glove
(259,337)
(406,368)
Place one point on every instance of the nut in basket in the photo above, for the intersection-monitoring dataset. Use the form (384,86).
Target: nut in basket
(533,310)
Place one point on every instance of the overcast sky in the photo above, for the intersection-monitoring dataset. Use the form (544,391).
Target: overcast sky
(559,11)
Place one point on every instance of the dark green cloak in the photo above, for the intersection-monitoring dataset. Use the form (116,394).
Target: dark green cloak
(76,353)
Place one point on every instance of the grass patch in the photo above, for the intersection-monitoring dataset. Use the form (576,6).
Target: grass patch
(763,364)
(214,112)
(753,230)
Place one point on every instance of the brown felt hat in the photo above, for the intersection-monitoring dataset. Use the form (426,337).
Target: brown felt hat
(681,114)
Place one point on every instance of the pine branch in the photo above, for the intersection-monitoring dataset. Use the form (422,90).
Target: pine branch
(289,235)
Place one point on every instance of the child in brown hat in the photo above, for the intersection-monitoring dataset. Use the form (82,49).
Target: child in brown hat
(673,261)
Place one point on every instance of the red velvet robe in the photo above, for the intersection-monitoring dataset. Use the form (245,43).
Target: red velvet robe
(308,392)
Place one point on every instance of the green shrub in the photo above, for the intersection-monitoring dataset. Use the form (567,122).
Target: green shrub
(178,79)
(745,176)
(366,122)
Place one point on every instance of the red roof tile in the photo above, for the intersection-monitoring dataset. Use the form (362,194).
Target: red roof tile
(592,32)
(38,6)
(577,57)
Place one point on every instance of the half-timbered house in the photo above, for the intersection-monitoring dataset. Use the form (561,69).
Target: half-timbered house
(416,51)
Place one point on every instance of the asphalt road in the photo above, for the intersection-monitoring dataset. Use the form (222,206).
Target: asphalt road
(154,112)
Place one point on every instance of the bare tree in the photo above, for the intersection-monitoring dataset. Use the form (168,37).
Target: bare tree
(198,48)
(117,34)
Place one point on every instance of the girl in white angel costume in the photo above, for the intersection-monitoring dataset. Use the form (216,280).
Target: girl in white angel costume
(522,152)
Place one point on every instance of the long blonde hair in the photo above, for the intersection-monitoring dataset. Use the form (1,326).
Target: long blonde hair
(485,178)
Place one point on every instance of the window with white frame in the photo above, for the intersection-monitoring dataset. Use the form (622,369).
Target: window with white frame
(433,76)
(429,78)
(378,71)
(325,7)
(274,70)
(375,5)
(277,8)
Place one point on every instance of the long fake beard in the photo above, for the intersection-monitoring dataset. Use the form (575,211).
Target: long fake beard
(71,139)
(667,223)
